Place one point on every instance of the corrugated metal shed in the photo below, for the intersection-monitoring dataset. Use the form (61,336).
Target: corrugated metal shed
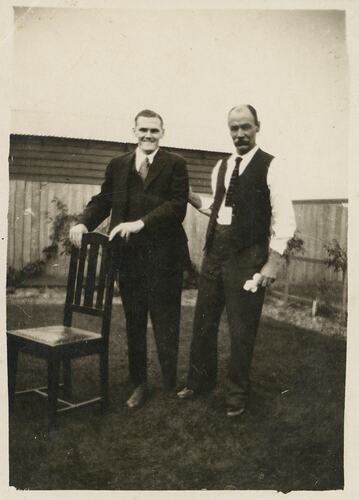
(83,161)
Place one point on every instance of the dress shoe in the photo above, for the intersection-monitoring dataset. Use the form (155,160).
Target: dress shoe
(137,398)
(186,393)
(235,412)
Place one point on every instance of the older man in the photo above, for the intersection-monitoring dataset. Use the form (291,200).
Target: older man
(250,221)
(146,193)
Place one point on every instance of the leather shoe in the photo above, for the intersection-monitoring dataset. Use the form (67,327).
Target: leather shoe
(137,398)
(186,393)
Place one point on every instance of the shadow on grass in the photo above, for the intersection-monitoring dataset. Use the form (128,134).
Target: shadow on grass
(291,438)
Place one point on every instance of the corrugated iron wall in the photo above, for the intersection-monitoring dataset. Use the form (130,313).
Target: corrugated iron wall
(83,161)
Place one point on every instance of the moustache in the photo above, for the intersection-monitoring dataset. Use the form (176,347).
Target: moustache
(241,142)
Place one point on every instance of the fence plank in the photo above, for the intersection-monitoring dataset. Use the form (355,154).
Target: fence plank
(26,247)
(11,224)
(35,222)
(43,215)
(19,223)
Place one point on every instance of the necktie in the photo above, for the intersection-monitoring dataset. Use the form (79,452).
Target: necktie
(230,196)
(143,170)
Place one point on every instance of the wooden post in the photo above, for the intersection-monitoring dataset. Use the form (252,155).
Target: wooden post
(314,308)
(286,284)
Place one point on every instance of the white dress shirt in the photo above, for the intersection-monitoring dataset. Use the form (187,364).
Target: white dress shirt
(283,220)
(141,156)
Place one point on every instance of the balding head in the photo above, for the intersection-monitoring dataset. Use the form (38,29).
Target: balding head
(243,126)
(245,108)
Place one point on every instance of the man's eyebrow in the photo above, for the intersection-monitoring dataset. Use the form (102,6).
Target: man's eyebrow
(242,125)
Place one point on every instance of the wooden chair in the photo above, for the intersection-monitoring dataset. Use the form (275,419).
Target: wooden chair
(61,343)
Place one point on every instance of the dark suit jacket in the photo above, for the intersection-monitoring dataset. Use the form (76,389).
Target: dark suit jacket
(164,207)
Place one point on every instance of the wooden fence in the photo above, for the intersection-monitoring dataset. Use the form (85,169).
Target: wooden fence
(43,168)
(319,222)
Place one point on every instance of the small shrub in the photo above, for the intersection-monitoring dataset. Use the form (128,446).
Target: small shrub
(337,256)
(337,259)
(295,246)
(59,244)
(59,236)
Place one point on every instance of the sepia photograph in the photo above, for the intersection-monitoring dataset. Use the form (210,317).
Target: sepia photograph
(177,247)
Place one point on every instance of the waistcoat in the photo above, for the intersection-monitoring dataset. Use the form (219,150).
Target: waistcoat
(251,214)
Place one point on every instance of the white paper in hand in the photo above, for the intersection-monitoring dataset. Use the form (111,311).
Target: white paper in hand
(252,285)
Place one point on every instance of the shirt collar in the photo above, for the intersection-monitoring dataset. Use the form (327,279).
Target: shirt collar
(140,155)
(247,156)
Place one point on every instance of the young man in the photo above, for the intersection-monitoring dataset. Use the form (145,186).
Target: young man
(251,220)
(146,193)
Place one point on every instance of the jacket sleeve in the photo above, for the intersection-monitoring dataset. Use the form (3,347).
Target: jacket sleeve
(99,207)
(173,210)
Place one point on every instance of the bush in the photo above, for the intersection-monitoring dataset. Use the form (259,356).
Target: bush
(58,239)
(337,259)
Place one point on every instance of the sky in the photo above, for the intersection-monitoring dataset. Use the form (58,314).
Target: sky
(87,72)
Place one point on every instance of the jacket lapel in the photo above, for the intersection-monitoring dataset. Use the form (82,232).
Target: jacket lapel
(155,168)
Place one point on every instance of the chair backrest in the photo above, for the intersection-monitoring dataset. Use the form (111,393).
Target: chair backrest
(91,280)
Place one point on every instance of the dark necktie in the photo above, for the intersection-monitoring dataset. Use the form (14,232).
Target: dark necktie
(143,170)
(230,196)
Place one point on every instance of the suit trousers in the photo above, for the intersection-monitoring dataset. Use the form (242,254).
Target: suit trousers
(149,289)
(223,274)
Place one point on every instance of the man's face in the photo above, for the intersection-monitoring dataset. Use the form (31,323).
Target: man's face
(243,129)
(148,131)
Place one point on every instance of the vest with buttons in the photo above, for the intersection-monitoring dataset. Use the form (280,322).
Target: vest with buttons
(251,215)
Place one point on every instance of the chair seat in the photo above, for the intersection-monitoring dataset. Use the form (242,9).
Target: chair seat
(56,335)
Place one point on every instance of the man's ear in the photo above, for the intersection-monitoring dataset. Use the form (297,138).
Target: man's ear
(258,126)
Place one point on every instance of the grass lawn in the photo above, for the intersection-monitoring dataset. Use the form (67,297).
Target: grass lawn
(291,438)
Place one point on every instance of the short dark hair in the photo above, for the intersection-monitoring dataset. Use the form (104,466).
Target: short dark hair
(148,113)
(251,109)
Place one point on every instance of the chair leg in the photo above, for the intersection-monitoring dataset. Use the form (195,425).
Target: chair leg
(67,378)
(104,377)
(53,379)
(12,358)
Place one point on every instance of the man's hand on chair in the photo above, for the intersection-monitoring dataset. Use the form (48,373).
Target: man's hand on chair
(125,229)
(76,233)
